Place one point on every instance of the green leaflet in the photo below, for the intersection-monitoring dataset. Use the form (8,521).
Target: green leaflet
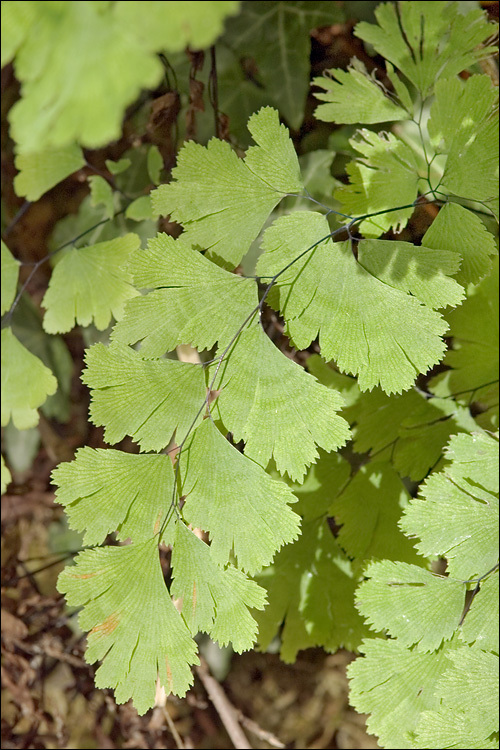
(193,301)
(107,490)
(460,231)
(141,209)
(427,40)
(117,167)
(386,178)
(468,715)
(276,36)
(457,516)
(26,383)
(370,328)
(254,520)
(173,26)
(90,284)
(473,358)
(134,626)
(68,96)
(65,96)
(406,682)
(9,275)
(27,326)
(346,385)
(17,19)
(475,458)
(411,604)
(101,193)
(154,164)
(354,96)
(148,400)
(324,480)
(40,171)
(463,123)
(457,110)
(215,599)
(311,589)
(480,627)
(266,400)
(368,511)
(223,201)
(420,271)
(408,429)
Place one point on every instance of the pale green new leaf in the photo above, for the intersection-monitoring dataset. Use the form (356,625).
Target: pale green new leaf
(385,177)
(353,96)
(134,627)
(460,231)
(473,358)
(411,604)
(468,715)
(368,510)
(480,627)
(456,518)
(215,599)
(372,330)
(395,685)
(463,123)
(67,96)
(193,301)
(9,274)
(26,383)
(101,193)
(267,400)
(173,26)
(148,400)
(276,36)
(40,171)
(223,201)
(90,284)
(252,518)
(311,590)
(428,40)
(107,490)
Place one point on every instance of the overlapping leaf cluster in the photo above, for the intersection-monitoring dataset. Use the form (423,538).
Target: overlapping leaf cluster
(254,432)
(440,660)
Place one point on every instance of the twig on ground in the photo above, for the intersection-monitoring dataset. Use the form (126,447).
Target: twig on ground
(175,734)
(262,734)
(224,708)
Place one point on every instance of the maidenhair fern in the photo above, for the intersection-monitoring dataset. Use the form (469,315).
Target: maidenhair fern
(441,644)
(243,445)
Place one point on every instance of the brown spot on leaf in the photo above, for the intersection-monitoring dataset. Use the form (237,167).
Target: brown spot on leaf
(107,626)
(157,522)
(169,675)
